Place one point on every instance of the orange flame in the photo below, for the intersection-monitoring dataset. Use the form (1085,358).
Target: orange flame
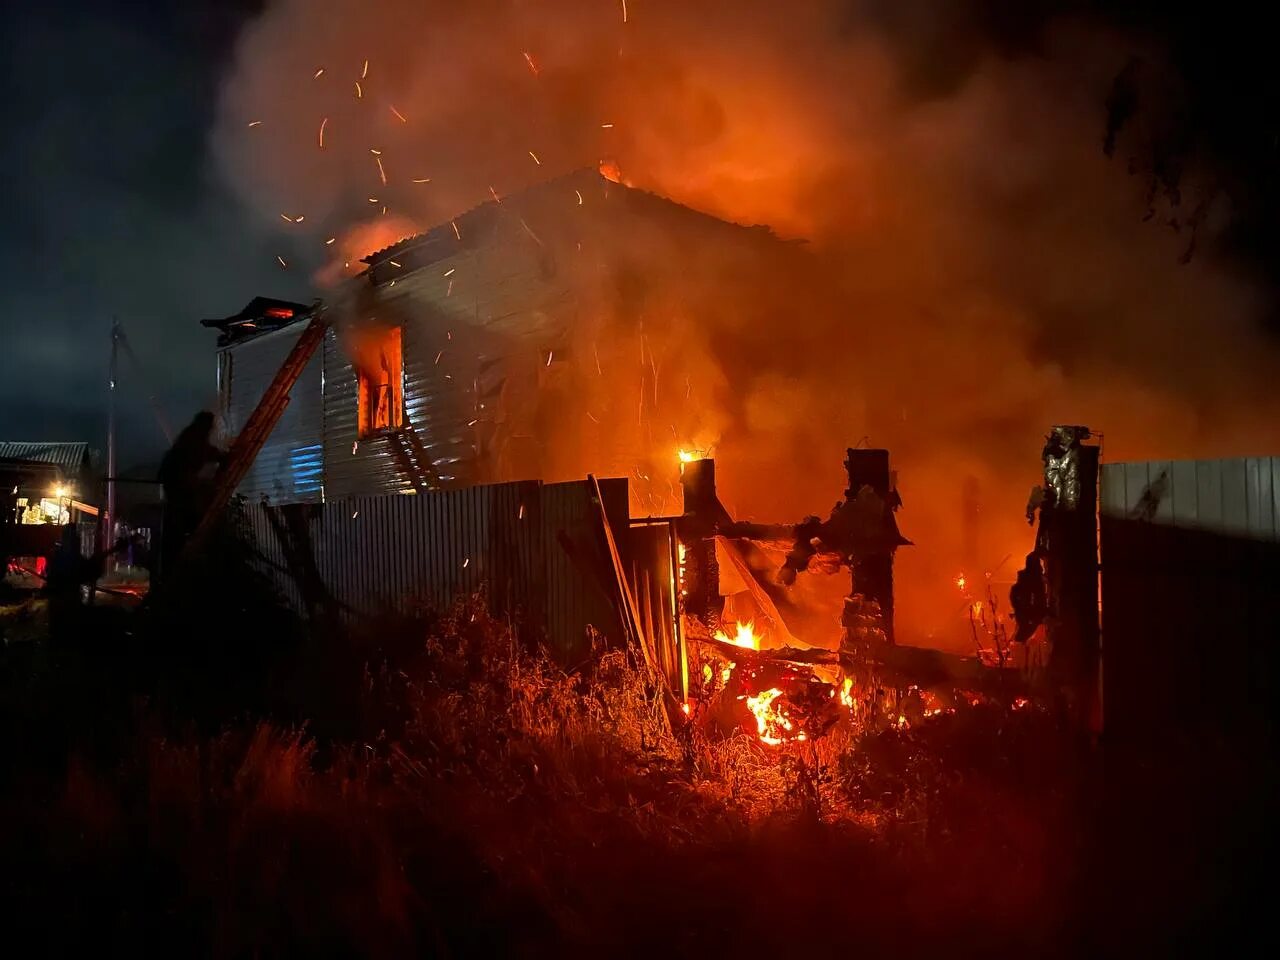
(744,636)
(772,723)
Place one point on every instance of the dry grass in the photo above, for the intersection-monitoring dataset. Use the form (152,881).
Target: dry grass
(495,803)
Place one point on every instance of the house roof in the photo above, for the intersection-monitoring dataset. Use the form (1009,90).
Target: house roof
(70,457)
(445,239)
(259,315)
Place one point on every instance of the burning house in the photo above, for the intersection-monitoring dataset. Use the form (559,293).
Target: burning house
(479,366)
(472,353)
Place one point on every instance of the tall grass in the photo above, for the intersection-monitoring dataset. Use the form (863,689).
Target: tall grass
(484,800)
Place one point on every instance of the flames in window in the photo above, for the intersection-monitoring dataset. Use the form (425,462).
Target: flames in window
(379,362)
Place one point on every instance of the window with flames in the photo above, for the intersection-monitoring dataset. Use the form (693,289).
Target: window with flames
(381,385)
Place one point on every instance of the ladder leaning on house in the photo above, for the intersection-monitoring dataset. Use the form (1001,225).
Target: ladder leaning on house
(248,443)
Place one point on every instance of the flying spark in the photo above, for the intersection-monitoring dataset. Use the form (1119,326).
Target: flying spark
(579,193)
(359,91)
(423,180)
(449,272)
(624,11)
(254,123)
(550,356)
(376,153)
(373,199)
(399,116)
(323,123)
(465,563)
(454,224)
(283,265)
(316,75)
(535,158)
(330,240)
(533,66)
(449,292)
(381,172)
(438,356)
(606,126)
(393,263)
(591,418)
(364,72)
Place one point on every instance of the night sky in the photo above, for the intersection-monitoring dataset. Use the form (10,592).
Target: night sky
(113,206)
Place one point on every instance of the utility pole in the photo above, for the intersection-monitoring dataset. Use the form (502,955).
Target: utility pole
(112,376)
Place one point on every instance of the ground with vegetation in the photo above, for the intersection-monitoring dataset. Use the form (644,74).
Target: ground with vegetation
(209,778)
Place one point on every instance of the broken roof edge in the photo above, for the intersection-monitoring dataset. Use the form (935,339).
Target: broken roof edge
(584,175)
(259,315)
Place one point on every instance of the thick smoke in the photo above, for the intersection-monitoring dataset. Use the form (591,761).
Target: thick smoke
(979,271)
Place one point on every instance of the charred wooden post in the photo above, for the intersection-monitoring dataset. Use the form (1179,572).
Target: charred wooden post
(1059,585)
(873,568)
(697,528)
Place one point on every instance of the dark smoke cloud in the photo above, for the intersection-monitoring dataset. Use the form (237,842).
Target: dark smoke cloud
(980,268)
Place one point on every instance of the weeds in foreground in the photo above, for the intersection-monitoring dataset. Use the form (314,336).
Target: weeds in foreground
(494,802)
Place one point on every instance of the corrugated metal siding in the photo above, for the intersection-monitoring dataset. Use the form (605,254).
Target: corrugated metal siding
(351,468)
(71,457)
(653,581)
(579,591)
(290,467)
(1238,497)
(1190,619)
(399,553)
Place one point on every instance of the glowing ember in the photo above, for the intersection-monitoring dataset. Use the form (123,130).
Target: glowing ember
(744,636)
(960,582)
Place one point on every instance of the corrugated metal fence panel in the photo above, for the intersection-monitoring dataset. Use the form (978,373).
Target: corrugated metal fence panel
(578,564)
(401,553)
(289,468)
(1237,497)
(271,560)
(653,580)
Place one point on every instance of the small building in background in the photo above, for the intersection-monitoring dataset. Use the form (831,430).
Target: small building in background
(43,487)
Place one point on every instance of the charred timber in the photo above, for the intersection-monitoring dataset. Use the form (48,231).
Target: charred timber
(703,517)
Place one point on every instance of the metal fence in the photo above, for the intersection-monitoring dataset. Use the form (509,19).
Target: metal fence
(533,547)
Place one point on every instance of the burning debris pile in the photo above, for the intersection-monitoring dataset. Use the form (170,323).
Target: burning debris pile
(752,671)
